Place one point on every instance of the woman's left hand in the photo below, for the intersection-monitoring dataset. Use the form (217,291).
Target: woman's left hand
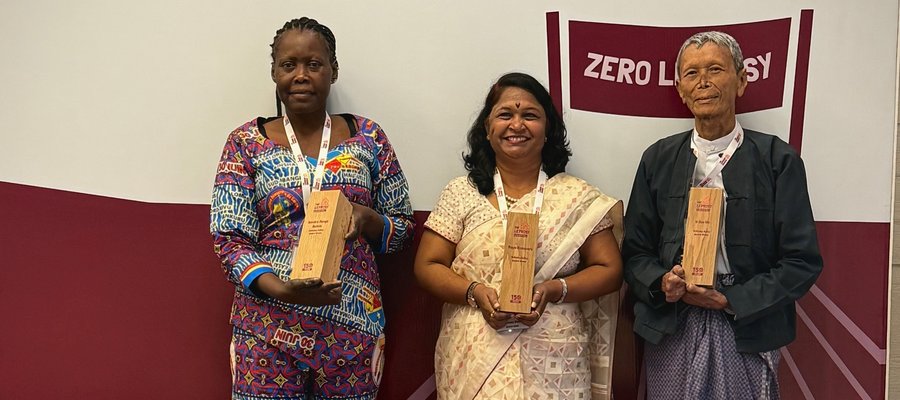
(366,222)
(541,295)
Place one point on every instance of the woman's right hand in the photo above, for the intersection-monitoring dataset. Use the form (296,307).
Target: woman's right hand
(307,292)
(487,300)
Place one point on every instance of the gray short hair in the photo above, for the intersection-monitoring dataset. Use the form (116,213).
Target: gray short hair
(720,38)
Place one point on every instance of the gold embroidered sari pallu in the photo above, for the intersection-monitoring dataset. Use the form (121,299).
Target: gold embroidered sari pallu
(568,353)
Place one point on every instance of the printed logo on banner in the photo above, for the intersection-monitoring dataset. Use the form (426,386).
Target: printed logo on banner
(630,69)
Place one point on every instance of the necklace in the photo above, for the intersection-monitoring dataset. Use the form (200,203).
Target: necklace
(501,196)
(511,200)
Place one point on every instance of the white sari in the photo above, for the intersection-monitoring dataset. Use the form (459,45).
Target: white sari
(567,354)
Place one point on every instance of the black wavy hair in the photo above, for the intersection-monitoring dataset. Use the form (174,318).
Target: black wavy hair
(480,161)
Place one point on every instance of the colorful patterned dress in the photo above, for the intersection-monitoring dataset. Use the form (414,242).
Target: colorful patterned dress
(280,349)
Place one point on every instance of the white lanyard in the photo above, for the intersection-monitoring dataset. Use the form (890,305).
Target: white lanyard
(501,196)
(319,172)
(723,160)
(721,256)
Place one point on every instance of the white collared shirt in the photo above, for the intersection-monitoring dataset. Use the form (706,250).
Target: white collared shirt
(713,150)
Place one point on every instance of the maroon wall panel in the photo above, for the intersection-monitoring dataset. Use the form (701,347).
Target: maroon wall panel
(111,299)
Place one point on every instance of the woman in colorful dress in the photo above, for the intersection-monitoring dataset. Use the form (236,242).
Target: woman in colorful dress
(298,339)
(517,157)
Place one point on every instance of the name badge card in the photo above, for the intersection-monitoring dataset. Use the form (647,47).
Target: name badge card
(701,235)
(518,262)
(321,246)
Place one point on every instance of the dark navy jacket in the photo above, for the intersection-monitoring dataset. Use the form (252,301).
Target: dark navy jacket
(770,237)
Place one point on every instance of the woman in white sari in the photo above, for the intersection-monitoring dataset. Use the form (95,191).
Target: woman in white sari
(517,156)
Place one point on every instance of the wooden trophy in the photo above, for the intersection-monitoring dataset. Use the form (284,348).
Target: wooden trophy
(321,246)
(701,235)
(518,262)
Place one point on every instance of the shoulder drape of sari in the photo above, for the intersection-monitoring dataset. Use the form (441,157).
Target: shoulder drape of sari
(469,351)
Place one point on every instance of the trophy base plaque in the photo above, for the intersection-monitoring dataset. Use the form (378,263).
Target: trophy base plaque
(701,235)
(321,246)
(518,262)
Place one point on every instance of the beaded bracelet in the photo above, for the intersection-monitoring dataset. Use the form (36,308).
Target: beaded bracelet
(565,291)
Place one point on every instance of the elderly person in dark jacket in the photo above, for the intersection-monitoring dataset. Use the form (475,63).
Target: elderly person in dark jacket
(720,342)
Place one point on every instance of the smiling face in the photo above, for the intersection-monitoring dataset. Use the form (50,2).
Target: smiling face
(517,126)
(302,72)
(709,83)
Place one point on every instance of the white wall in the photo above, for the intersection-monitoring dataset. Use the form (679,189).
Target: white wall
(134,100)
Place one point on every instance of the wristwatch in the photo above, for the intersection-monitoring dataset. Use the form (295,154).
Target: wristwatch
(470,295)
